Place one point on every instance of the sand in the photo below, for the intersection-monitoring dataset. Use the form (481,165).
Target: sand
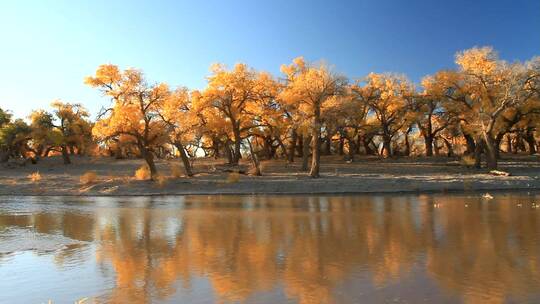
(365,175)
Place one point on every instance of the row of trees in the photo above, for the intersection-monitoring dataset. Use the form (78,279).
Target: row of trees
(308,111)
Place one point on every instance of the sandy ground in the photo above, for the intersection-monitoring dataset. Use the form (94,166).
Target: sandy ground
(365,175)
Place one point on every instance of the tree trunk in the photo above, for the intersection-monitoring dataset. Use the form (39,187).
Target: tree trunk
(491,152)
(478,154)
(352,149)
(300,147)
(387,149)
(508,143)
(305,153)
(450,150)
(341,145)
(316,144)
(254,159)
(497,143)
(149,159)
(328,145)
(215,147)
(407,145)
(4,156)
(185,159)
(531,142)
(237,144)
(428,140)
(367,148)
(292,147)
(65,154)
(471,146)
(315,156)
(229,154)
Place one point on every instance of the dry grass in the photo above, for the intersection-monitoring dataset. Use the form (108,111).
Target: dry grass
(143,173)
(88,178)
(34,177)
(176,170)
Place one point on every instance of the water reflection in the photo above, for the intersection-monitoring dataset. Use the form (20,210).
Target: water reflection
(289,248)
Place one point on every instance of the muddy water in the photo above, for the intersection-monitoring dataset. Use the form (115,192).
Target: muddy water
(271,249)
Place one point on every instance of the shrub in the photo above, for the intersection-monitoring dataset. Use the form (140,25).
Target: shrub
(143,173)
(35,177)
(89,177)
(176,170)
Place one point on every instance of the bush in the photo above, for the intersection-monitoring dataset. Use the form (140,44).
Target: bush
(89,177)
(35,177)
(143,173)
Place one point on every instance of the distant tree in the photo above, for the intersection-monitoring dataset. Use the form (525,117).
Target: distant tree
(481,92)
(134,112)
(310,88)
(14,136)
(230,98)
(385,95)
(181,121)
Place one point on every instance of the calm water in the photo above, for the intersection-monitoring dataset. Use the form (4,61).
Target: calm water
(271,249)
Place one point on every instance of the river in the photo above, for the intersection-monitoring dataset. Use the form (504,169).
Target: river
(443,248)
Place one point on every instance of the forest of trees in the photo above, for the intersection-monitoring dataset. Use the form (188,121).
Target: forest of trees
(482,107)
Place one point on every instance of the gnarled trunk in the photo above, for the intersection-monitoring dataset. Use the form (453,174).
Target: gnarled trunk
(328,145)
(65,154)
(305,152)
(387,146)
(237,145)
(148,157)
(316,144)
(352,149)
(531,142)
(185,159)
(428,141)
(254,159)
(471,145)
(292,147)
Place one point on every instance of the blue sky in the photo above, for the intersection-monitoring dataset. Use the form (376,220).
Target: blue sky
(48,47)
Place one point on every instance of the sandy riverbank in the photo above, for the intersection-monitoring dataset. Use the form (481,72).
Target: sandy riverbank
(365,175)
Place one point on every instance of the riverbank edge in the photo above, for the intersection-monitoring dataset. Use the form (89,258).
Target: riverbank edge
(380,188)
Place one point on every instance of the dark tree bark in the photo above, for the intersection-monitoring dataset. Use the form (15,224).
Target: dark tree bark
(531,142)
(471,145)
(305,153)
(316,144)
(254,159)
(65,154)
(185,159)
(148,156)
(292,146)
(328,144)
(428,141)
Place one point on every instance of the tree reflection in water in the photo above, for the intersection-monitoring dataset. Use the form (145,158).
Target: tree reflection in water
(480,251)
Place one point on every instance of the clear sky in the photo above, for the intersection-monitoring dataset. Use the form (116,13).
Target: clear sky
(48,47)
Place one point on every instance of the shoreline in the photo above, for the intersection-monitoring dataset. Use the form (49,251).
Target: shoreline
(368,176)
